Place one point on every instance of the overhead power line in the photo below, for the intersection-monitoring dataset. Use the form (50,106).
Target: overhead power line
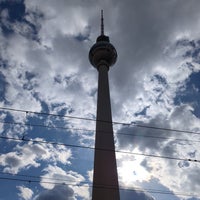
(104,187)
(42,178)
(90,119)
(87,147)
(92,148)
(104,132)
(37,177)
(90,130)
(57,115)
(167,129)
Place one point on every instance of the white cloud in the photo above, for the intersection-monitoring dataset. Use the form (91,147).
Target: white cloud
(145,35)
(71,178)
(13,162)
(59,192)
(83,191)
(129,195)
(31,154)
(60,176)
(90,175)
(137,169)
(25,193)
(71,19)
(2,117)
(130,171)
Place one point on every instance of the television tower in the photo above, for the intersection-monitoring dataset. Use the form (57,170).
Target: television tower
(102,56)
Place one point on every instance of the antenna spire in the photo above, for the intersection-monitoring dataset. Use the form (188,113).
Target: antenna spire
(102,23)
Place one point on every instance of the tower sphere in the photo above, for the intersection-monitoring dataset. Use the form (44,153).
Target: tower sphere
(102,51)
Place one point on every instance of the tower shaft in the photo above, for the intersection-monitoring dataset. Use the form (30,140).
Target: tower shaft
(105,179)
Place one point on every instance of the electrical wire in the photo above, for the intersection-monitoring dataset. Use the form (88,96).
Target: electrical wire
(82,182)
(57,115)
(37,177)
(99,149)
(87,147)
(89,130)
(107,187)
(90,119)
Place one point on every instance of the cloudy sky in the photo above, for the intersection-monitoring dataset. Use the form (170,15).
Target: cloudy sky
(48,89)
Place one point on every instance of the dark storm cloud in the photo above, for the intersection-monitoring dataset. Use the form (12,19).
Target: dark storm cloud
(130,195)
(144,138)
(12,161)
(59,192)
(194,180)
(151,25)
(145,164)
(144,30)
(158,140)
(144,33)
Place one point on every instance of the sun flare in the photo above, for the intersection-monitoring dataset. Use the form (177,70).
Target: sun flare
(132,171)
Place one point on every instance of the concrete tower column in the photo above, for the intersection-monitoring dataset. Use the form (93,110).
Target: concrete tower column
(105,179)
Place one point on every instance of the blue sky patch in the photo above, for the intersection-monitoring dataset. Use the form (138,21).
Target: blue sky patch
(191,94)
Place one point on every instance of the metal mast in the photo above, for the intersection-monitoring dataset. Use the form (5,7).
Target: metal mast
(102,56)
